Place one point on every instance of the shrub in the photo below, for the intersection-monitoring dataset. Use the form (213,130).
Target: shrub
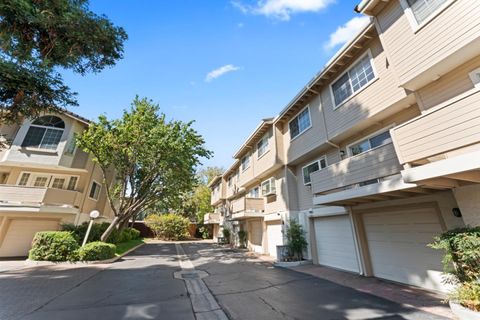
(134,233)
(205,232)
(97,230)
(226,234)
(54,246)
(296,241)
(168,226)
(462,253)
(468,295)
(96,251)
(242,237)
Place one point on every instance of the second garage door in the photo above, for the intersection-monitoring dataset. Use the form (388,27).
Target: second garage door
(397,242)
(256,236)
(335,244)
(18,239)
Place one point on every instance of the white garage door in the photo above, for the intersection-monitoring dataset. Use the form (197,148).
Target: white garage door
(20,234)
(397,242)
(256,234)
(274,238)
(335,244)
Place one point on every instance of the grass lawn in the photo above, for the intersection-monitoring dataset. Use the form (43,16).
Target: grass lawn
(125,246)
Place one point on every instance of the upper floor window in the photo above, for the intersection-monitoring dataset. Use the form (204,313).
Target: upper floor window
(245,162)
(369,143)
(254,193)
(268,187)
(262,146)
(230,181)
(300,123)
(423,9)
(44,133)
(353,80)
(311,168)
(95,190)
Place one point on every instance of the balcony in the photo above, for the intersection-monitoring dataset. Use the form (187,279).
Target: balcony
(211,218)
(11,195)
(445,128)
(243,208)
(373,164)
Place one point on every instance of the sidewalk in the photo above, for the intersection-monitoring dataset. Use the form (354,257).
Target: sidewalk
(412,297)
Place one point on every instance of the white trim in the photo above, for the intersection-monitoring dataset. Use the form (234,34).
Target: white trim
(327,211)
(475,77)
(376,133)
(272,181)
(461,163)
(90,190)
(296,116)
(354,93)
(319,168)
(396,183)
(267,137)
(411,16)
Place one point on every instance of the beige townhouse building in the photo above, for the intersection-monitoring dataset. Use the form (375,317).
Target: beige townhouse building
(380,151)
(45,180)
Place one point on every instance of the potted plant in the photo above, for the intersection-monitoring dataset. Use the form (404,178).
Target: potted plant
(296,242)
(226,235)
(242,238)
(462,269)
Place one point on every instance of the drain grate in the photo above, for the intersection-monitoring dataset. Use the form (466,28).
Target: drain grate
(191,275)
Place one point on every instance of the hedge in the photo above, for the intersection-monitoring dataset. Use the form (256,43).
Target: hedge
(96,251)
(168,226)
(54,246)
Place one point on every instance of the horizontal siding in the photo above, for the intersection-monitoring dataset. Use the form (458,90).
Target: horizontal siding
(413,53)
(378,96)
(448,128)
(376,163)
(309,139)
(448,86)
(278,202)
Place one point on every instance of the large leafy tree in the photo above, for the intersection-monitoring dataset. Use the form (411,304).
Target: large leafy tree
(154,159)
(39,37)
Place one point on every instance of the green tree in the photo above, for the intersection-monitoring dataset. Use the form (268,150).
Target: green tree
(154,159)
(39,37)
(296,241)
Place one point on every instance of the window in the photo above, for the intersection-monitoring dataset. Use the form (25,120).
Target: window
(245,162)
(370,143)
(353,80)
(312,167)
(254,193)
(95,190)
(71,146)
(40,181)
(230,181)
(422,9)
(72,183)
(58,183)
(268,187)
(262,146)
(44,133)
(24,179)
(475,77)
(368,182)
(300,123)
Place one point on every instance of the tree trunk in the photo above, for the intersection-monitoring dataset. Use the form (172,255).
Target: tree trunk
(110,228)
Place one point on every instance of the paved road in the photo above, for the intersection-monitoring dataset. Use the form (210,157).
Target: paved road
(141,286)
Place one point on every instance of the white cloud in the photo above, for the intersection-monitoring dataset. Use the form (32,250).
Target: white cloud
(282,9)
(214,74)
(346,32)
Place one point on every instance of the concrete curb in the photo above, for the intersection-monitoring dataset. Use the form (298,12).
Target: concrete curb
(107,261)
(291,264)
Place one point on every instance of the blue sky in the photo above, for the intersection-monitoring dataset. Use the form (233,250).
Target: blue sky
(259,54)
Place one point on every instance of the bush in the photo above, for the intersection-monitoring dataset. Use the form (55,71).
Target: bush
(462,253)
(96,251)
(226,234)
(242,237)
(97,230)
(54,246)
(168,226)
(296,241)
(461,263)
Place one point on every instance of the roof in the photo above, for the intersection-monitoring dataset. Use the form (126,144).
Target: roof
(366,6)
(259,131)
(76,116)
(232,168)
(214,181)
(313,87)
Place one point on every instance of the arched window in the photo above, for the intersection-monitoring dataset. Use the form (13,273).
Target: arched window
(44,133)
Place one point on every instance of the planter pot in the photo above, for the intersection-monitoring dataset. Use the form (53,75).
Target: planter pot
(289,264)
(463,313)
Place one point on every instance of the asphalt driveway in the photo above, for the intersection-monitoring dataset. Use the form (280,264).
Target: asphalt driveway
(142,286)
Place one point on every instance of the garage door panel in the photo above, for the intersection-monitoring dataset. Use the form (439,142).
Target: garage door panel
(274,238)
(397,243)
(335,244)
